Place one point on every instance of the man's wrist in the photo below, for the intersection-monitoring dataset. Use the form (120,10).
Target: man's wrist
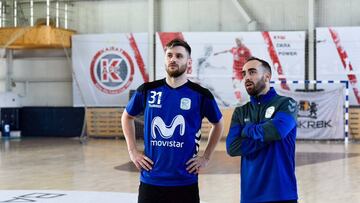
(206,157)
(132,150)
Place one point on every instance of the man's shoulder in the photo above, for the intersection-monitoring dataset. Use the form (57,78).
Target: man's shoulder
(243,107)
(151,85)
(200,89)
(282,99)
(286,103)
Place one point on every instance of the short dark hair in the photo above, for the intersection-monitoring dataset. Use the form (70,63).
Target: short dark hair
(178,42)
(263,63)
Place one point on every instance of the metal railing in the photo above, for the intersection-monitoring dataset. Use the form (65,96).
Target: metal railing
(19,13)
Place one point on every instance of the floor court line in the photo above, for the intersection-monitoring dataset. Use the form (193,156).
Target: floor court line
(326,171)
(58,196)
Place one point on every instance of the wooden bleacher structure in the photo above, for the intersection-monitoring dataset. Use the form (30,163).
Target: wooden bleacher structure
(106,122)
(354,123)
(40,36)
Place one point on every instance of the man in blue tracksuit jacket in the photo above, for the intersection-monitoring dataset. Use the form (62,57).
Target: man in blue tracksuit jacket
(263,133)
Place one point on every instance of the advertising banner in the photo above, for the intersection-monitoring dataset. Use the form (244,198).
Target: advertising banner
(337,57)
(107,66)
(320,114)
(218,58)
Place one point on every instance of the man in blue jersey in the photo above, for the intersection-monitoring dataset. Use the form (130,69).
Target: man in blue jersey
(263,133)
(173,111)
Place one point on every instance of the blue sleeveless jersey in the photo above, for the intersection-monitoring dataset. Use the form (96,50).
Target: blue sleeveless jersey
(172,118)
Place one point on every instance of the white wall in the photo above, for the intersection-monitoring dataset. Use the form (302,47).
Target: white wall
(40,79)
(110,16)
(211,15)
(338,13)
(279,14)
(30,74)
(170,15)
(188,15)
(2,75)
(116,16)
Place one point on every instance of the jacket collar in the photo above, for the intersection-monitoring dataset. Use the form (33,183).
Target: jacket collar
(263,98)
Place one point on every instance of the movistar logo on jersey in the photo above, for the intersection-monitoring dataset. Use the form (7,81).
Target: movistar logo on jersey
(167,131)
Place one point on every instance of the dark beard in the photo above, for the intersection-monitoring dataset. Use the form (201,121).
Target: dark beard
(258,87)
(176,73)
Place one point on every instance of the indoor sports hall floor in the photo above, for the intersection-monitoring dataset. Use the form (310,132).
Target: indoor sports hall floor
(47,170)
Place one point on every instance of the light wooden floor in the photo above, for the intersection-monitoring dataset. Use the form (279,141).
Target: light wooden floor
(326,171)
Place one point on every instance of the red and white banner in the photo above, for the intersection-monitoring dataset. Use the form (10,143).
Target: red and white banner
(107,66)
(337,57)
(218,58)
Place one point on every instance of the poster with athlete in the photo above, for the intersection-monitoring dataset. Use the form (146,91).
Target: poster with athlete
(218,58)
(107,66)
(337,57)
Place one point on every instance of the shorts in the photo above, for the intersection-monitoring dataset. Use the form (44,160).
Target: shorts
(286,201)
(168,194)
(237,73)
